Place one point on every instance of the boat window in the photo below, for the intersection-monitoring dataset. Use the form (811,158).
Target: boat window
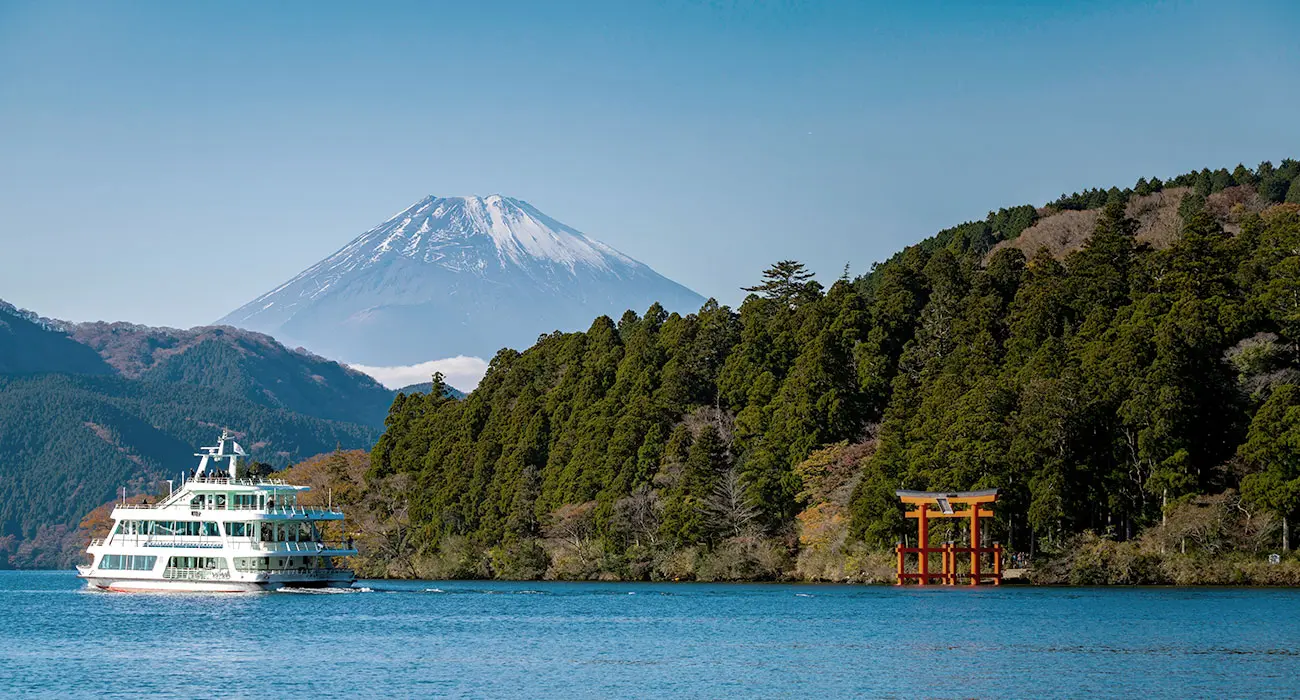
(251,563)
(210,530)
(132,562)
(197,563)
(221,501)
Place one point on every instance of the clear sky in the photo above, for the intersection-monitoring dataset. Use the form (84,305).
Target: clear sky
(166,162)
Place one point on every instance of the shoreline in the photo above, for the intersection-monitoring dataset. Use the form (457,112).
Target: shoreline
(1012,583)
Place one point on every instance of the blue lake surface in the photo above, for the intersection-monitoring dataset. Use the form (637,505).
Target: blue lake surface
(489,639)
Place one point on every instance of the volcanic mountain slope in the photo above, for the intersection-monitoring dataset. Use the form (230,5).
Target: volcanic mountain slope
(456,276)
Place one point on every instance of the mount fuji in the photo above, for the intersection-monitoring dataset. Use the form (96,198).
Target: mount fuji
(452,276)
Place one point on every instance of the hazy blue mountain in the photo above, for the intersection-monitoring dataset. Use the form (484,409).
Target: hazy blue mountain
(456,276)
(242,363)
(30,344)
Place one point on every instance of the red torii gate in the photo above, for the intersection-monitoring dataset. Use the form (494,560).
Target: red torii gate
(943,508)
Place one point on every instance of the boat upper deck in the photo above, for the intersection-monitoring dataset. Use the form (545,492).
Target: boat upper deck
(223,483)
(237,512)
(228,494)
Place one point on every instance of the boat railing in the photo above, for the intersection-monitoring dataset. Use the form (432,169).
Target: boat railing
(309,547)
(174,572)
(182,542)
(234,543)
(274,510)
(302,510)
(227,481)
(285,510)
(303,572)
(166,540)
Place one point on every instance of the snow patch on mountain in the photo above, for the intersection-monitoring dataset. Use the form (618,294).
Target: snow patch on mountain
(451,276)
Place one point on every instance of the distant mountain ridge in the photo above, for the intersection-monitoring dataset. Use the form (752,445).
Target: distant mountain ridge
(30,344)
(456,275)
(236,361)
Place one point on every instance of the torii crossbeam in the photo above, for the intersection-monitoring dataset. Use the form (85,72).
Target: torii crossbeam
(979,505)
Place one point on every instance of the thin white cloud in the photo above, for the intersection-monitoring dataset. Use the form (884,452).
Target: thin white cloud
(462,372)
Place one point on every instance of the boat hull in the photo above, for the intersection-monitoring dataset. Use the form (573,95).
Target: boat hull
(151,585)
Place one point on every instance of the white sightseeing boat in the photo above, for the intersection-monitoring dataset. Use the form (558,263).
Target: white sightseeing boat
(222,531)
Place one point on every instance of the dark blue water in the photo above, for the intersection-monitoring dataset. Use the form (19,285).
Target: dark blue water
(477,639)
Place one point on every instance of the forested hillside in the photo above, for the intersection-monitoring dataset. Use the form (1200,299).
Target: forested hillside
(1118,384)
(68,443)
(86,409)
(243,363)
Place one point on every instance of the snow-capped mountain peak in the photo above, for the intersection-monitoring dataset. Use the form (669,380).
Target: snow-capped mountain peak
(518,231)
(479,260)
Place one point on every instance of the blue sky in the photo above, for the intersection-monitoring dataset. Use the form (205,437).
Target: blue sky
(164,163)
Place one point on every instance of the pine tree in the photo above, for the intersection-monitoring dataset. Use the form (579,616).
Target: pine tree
(786,282)
(1293,192)
(1272,449)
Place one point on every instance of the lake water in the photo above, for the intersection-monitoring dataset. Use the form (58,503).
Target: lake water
(480,639)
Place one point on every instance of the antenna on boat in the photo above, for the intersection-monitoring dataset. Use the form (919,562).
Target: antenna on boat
(218,452)
(170,488)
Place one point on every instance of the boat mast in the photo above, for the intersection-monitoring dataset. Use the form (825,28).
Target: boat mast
(218,452)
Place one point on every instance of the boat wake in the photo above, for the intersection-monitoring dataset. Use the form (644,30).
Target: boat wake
(323,591)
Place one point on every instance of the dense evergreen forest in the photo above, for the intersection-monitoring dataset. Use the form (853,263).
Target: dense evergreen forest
(1101,389)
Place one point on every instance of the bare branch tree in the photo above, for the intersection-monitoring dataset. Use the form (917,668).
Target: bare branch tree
(730,509)
(572,523)
(638,514)
(388,530)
